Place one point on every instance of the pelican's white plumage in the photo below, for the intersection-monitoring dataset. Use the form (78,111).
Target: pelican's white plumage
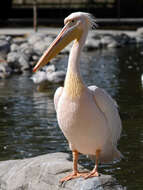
(88,116)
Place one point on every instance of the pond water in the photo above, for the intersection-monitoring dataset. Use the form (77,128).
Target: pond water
(28,125)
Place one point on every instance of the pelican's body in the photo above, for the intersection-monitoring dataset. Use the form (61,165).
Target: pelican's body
(85,125)
(88,116)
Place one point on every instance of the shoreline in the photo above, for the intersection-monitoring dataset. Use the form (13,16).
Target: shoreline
(16,31)
(21,48)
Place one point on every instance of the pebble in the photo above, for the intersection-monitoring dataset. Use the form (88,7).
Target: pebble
(48,74)
(4,46)
(5,70)
(18,61)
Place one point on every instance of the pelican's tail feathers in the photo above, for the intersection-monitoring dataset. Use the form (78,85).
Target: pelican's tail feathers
(108,156)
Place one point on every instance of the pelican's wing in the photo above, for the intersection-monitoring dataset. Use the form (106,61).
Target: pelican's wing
(57,96)
(110,109)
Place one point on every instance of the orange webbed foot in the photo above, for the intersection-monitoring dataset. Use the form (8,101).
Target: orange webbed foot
(93,173)
(73,176)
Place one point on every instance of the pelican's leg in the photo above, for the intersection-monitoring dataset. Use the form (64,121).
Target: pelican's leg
(94,172)
(75,173)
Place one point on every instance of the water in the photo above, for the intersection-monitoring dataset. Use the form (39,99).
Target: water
(28,125)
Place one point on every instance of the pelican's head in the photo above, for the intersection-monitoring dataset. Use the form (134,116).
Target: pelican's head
(75,25)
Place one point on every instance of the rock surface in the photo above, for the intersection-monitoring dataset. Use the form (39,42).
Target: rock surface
(5,70)
(49,74)
(44,173)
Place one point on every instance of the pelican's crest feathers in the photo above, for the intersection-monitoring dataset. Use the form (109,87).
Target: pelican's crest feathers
(91,20)
(89,17)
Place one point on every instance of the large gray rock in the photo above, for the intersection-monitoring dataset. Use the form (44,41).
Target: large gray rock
(92,44)
(56,77)
(27,49)
(123,39)
(139,39)
(109,41)
(40,46)
(48,74)
(19,40)
(35,37)
(14,47)
(5,37)
(40,43)
(44,173)
(5,70)
(18,61)
(4,46)
(140,31)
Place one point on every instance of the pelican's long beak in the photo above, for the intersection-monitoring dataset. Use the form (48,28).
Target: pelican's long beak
(66,35)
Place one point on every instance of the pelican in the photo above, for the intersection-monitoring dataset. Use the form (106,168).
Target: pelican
(87,116)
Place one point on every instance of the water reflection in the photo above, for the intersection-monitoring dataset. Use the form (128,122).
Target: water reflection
(28,125)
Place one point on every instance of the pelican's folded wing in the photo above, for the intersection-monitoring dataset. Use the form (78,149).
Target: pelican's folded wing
(57,96)
(110,109)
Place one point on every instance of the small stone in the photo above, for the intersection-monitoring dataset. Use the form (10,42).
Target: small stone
(7,38)
(139,39)
(106,40)
(14,47)
(40,46)
(140,31)
(35,37)
(5,70)
(56,77)
(26,49)
(19,40)
(4,46)
(49,68)
(24,65)
(18,61)
(123,39)
(48,74)
(114,44)
(92,44)
(35,57)
(39,77)
(12,57)
(130,67)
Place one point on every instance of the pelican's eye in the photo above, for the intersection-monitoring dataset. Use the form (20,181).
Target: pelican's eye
(72,21)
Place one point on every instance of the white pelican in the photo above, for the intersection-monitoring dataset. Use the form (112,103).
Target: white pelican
(87,116)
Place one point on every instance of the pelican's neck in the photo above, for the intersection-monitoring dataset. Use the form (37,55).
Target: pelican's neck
(74,84)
